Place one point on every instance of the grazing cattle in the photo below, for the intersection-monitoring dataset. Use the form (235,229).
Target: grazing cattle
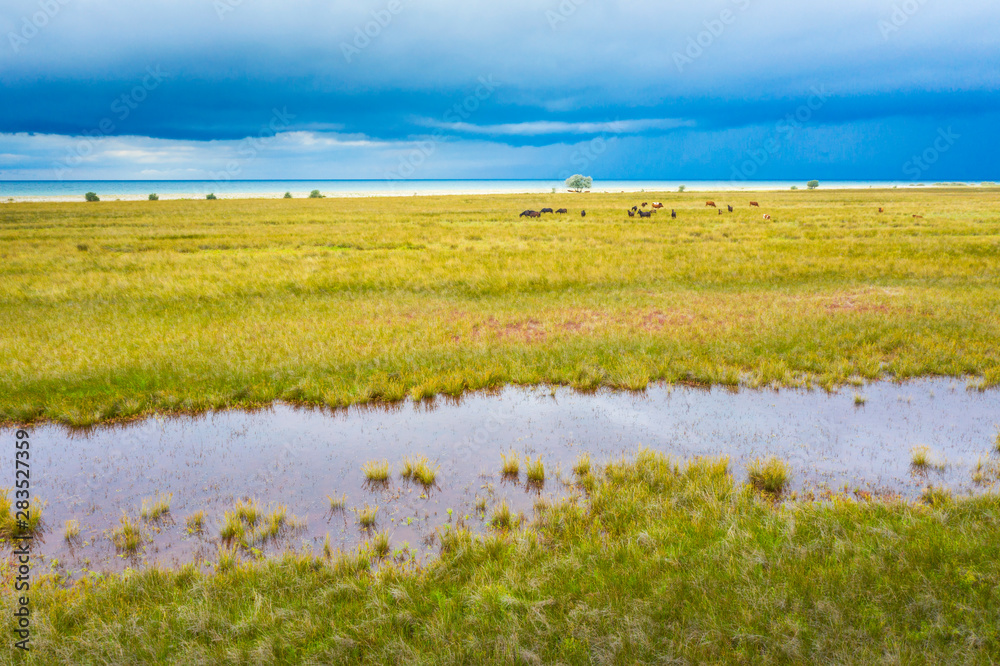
(710,203)
(920,217)
(766,216)
(645,213)
(546,210)
(754,203)
(562,210)
(645,203)
(730,208)
(631,213)
(583,213)
(720,211)
(880,209)
(530,213)
(673,213)
(657,204)
(635,208)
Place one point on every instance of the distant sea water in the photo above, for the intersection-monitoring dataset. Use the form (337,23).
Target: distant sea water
(174,189)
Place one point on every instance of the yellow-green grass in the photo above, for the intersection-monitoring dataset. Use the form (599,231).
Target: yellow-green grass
(337,503)
(376,471)
(534,469)
(664,562)
(248,525)
(18,519)
(155,509)
(582,465)
(511,465)
(193,305)
(367,516)
(128,536)
(71,533)
(770,475)
(419,470)
(920,457)
(196,522)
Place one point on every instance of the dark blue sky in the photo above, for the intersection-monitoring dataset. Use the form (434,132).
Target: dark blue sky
(730,89)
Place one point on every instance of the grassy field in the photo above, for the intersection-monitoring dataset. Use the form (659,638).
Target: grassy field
(112,310)
(657,563)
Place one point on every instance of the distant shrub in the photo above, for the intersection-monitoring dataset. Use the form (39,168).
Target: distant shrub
(211,197)
(812,184)
(154,197)
(682,188)
(795,187)
(90,196)
(315,195)
(288,195)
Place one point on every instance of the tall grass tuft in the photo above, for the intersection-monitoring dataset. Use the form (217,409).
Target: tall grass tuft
(535,470)
(376,471)
(503,518)
(936,496)
(127,537)
(379,545)
(920,457)
(337,503)
(72,532)
(156,509)
(582,465)
(511,464)
(367,516)
(10,526)
(196,522)
(770,476)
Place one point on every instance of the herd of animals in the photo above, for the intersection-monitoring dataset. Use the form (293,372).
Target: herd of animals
(653,207)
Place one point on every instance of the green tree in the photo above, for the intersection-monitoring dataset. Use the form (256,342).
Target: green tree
(154,197)
(578,182)
(90,196)
(315,195)
(211,197)
(681,188)
(288,195)
(812,184)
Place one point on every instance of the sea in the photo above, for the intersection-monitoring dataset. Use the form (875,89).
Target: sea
(71,190)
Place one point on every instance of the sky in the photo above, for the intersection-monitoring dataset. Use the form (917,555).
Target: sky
(424,89)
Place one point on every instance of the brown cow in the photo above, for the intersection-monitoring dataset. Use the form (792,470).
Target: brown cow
(710,203)
(766,216)
(657,204)
(754,203)
(645,203)
(562,210)
(880,209)
(530,213)
(916,217)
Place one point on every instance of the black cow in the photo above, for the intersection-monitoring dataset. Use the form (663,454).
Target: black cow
(730,208)
(530,213)
(644,213)
(631,213)
(583,213)
(720,211)
(673,213)
(635,208)
(546,210)
(562,210)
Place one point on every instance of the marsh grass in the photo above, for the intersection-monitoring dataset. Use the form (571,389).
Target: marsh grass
(127,537)
(936,496)
(859,400)
(503,518)
(367,516)
(156,509)
(663,559)
(996,442)
(769,475)
(376,471)
(379,545)
(71,533)
(920,457)
(448,294)
(535,470)
(195,523)
(248,526)
(418,469)
(511,466)
(10,525)
(337,503)
(582,465)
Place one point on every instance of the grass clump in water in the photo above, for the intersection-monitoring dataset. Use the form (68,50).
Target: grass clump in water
(14,526)
(419,470)
(127,537)
(503,518)
(920,457)
(535,470)
(379,545)
(156,509)
(72,532)
(196,522)
(582,465)
(337,503)
(770,476)
(367,516)
(511,466)
(376,471)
